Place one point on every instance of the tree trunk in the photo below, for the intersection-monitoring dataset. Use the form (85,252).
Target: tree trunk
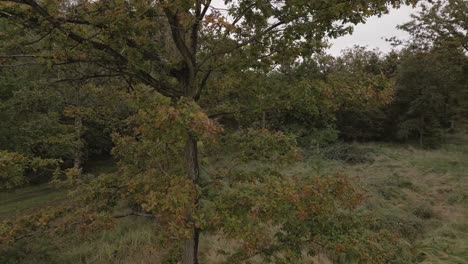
(190,254)
(191,248)
(78,150)
(263,120)
(421,144)
(421,131)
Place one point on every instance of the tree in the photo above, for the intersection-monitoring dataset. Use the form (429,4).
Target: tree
(31,118)
(429,89)
(175,46)
(441,23)
(431,80)
(361,84)
(56,121)
(291,97)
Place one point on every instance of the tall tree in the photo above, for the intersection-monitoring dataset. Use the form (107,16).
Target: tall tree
(175,46)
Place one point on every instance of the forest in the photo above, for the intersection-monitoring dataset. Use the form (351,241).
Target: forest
(179,131)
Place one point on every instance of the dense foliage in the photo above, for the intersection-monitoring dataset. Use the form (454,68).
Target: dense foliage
(202,108)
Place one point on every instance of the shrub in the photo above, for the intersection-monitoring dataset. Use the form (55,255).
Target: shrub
(407,226)
(318,138)
(12,168)
(264,145)
(423,212)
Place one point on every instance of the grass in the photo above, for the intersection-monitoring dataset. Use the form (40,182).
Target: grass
(426,190)
(29,198)
(422,194)
(133,240)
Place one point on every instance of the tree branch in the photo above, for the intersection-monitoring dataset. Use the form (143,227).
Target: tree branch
(242,44)
(159,85)
(87,77)
(203,83)
(136,214)
(187,80)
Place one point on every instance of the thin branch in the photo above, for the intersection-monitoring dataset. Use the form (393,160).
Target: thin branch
(244,43)
(44,64)
(24,56)
(21,65)
(39,39)
(135,214)
(88,77)
(264,32)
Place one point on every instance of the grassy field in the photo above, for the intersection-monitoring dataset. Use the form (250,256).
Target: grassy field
(423,194)
(26,199)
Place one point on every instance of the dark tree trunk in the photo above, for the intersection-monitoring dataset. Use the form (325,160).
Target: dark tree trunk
(187,81)
(263,120)
(191,248)
(421,143)
(79,148)
(421,132)
(190,253)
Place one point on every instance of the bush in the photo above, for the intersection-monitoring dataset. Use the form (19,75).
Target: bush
(318,138)
(423,212)
(15,166)
(348,153)
(264,145)
(407,226)
(458,197)
(12,168)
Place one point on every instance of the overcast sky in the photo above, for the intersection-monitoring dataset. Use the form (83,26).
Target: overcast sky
(373,33)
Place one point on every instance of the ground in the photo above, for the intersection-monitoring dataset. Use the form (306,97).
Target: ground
(421,193)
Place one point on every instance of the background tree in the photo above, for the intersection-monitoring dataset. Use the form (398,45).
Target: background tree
(440,23)
(432,78)
(361,83)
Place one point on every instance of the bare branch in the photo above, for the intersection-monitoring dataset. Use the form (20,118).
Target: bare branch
(39,39)
(135,214)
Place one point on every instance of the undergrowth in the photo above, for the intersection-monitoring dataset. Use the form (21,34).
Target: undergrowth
(420,195)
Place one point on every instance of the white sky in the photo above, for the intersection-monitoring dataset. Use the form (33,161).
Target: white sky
(373,33)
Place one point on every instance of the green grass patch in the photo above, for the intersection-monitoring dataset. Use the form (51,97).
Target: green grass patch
(29,198)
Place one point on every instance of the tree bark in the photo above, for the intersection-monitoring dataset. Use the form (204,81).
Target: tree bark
(191,248)
(421,139)
(190,253)
(263,120)
(78,150)
(187,81)
(421,131)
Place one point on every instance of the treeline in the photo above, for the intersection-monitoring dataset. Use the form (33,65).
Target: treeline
(410,96)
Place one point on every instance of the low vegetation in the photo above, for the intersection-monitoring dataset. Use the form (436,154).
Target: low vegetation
(421,196)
